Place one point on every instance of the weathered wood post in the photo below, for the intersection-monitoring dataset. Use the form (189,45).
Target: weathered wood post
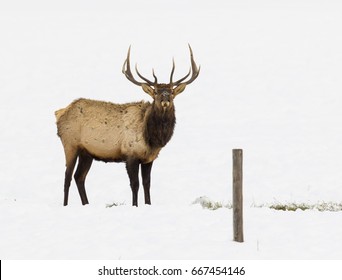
(237,195)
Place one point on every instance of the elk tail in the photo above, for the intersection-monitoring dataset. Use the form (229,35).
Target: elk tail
(60,113)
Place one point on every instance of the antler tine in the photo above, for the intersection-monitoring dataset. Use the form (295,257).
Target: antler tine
(195,71)
(126,69)
(182,79)
(155,77)
(173,70)
(142,77)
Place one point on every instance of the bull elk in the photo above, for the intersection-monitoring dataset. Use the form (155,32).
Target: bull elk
(133,133)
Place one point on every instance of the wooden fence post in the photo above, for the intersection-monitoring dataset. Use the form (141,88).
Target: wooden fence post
(237,195)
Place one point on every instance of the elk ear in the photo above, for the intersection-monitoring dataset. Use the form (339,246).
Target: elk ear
(147,89)
(179,89)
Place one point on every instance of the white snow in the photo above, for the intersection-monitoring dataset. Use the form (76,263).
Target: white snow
(270,83)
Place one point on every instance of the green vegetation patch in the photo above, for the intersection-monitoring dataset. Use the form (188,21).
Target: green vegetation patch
(115,204)
(206,203)
(321,206)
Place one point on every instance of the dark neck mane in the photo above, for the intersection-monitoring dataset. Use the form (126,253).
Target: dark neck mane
(159,126)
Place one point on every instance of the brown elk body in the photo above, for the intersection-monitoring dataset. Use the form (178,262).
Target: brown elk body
(133,133)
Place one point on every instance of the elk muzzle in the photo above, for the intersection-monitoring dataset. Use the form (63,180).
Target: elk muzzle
(165,99)
(165,104)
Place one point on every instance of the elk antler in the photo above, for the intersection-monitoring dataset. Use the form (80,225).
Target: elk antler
(146,80)
(126,69)
(195,71)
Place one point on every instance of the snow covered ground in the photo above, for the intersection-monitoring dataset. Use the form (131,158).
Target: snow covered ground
(270,83)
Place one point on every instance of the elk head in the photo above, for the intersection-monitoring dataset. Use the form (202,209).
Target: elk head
(162,94)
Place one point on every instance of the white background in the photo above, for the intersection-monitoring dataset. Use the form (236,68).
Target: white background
(270,83)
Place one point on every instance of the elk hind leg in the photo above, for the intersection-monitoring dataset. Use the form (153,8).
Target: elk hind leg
(71,157)
(84,164)
(132,166)
(146,178)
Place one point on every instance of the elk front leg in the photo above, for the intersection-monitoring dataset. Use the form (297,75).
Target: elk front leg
(146,178)
(132,166)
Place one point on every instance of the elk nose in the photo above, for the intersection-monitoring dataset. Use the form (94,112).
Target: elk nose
(165,104)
